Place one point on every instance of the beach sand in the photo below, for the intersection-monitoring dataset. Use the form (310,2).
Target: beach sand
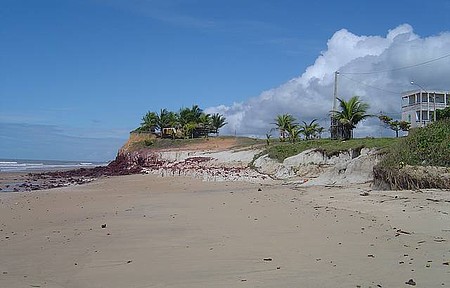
(148,231)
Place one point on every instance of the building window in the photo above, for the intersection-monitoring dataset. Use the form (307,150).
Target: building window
(412,99)
(417,115)
(424,97)
(405,101)
(439,98)
(425,114)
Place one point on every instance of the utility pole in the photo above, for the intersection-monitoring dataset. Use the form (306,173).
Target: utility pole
(434,104)
(334,125)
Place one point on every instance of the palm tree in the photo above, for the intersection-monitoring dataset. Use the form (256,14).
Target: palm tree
(193,122)
(204,120)
(217,122)
(320,130)
(350,114)
(294,132)
(283,122)
(149,122)
(189,119)
(188,129)
(309,130)
(153,121)
(189,115)
(166,119)
(184,116)
(194,114)
(204,125)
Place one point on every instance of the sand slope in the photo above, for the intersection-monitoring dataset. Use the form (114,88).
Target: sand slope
(180,232)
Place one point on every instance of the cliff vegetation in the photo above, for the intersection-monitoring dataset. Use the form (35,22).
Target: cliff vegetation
(421,160)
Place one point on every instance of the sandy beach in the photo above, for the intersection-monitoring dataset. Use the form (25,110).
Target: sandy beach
(151,231)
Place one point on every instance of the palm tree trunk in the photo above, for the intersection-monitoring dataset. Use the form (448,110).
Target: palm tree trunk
(347,133)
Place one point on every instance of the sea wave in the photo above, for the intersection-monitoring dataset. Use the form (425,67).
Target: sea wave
(44,165)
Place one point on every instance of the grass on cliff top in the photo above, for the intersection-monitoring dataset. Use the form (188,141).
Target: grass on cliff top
(428,146)
(282,150)
(158,143)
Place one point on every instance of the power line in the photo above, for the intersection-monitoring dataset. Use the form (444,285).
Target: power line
(397,69)
(370,86)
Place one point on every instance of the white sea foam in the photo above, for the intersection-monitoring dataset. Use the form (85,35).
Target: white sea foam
(12,165)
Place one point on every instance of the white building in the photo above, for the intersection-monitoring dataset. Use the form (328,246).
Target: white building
(418,106)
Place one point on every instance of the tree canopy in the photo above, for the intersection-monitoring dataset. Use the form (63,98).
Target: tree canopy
(187,122)
(395,125)
(285,122)
(290,129)
(443,113)
(351,112)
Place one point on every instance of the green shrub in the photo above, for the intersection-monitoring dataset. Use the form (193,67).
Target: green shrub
(428,146)
(408,164)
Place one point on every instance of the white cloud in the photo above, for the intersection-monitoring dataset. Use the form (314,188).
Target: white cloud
(310,95)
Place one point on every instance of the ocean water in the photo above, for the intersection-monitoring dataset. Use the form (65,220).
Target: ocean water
(23,165)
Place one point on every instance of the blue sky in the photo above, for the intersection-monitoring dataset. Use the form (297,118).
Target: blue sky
(77,75)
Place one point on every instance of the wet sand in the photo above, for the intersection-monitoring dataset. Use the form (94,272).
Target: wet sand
(11,181)
(148,231)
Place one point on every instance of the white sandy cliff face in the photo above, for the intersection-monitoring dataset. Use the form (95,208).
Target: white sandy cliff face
(316,168)
(205,165)
(311,167)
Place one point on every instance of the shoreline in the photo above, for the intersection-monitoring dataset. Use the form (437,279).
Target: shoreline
(61,177)
(42,180)
(199,167)
(11,181)
(150,231)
